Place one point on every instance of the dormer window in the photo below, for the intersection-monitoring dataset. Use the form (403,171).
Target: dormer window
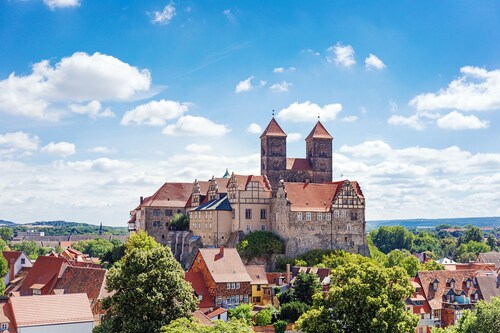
(435,285)
(36,292)
(4,326)
(452,284)
(467,284)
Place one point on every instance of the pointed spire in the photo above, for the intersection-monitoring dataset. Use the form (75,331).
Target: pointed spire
(319,132)
(100,230)
(226,174)
(273,129)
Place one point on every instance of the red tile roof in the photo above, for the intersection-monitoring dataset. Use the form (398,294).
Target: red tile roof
(257,274)
(228,268)
(11,255)
(273,129)
(76,280)
(45,272)
(200,288)
(51,309)
(216,312)
(319,132)
(202,318)
(298,164)
(311,197)
(170,195)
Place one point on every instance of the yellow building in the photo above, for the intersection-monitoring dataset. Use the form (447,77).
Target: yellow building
(259,282)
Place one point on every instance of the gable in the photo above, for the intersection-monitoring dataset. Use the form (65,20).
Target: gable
(348,196)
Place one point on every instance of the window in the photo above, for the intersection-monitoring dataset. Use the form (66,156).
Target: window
(200,297)
(435,285)
(263,227)
(206,215)
(248,213)
(168,212)
(349,228)
(206,225)
(256,299)
(237,285)
(228,285)
(23,261)
(249,227)
(328,216)
(245,298)
(336,214)
(437,314)
(156,212)
(219,300)
(258,287)
(319,216)
(263,214)
(233,213)
(299,216)
(354,216)
(233,285)
(210,225)
(344,201)
(343,213)
(308,216)
(37,292)
(5,326)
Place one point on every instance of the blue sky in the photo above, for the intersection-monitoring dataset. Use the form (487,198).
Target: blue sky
(102,101)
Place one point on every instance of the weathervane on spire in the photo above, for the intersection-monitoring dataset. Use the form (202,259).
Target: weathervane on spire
(273,112)
(318,116)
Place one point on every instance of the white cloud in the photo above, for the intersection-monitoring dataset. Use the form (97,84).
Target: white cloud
(78,78)
(103,164)
(155,113)
(310,51)
(53,4)
(229,15)
(343,55)
(60,148)
(476,90)
(283,86)
(165,16)
(307,111)
(413,121)
(19,141)
(457,121)
(244,85)
(372,61)
(349,119)
(199,149)
(100,150)
(284,70)
(195,126)
(93,109)
(254,128)
(293,137)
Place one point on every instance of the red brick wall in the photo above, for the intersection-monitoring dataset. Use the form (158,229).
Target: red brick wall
(447,317)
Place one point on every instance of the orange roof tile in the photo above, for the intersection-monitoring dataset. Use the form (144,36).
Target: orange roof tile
(11,255)
(170,195)
(51,309)
(257,274)
(311,197)
(228,268)
(45,271)
(273,129)
(298,164)
(200,288)
(319,132)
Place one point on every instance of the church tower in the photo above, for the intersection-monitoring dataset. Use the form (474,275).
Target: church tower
(273,153)
(319,151)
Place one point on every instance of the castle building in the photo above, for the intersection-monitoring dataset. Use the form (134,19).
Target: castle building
(295,198)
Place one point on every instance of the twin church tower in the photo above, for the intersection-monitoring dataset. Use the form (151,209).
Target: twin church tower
(317,167)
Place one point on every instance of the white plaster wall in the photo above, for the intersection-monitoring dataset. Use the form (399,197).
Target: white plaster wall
(85,327)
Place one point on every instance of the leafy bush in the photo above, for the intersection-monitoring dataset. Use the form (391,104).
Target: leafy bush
(263,318)
(290,312)
(280,326)
(260,244)
(285,296)
(180,222)
(242,312)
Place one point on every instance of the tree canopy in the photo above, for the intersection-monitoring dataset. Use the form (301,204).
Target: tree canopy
(149,289)
(260,244)
(184,325)
(305,286)
(377,292)
(388,238)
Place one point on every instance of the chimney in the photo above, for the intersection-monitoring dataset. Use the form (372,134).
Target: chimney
(11,269)
(141,200)
(221,252)
(287,277)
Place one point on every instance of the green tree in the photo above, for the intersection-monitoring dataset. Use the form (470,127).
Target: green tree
(260,244)
(6,234)
(305,286)
(473,234)
(31,249)
(491,241)
(285,296)
(291,311)
(263,318)
(4,269)
(149,288)
(340,258)
(184,325)
(404,260)
(95,248)
(388,238)
(377,292)
(432,265)
(3,245)
(243,312)
(424,241)
(180,222)
(280,326)
(469,251)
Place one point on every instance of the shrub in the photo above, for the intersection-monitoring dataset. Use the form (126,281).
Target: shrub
(291,311)
(280,326)
(263,318)
(285,296)
(260,244)
(180,222)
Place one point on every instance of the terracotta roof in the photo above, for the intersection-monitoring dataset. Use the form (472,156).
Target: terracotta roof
(216,312)
(244,180)
(322,273)
(273,129)
(436,298)
(170,195)
(298,164)
(45,271)
(200,288)
(311,197)
(51,309)
(257,274)
(273,277)
(11,255)
(419,296)
(86,280)
(228,268)
(6,313)
(319,132)
(489,286)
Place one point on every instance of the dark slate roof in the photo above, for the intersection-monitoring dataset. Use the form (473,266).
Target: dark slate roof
(216,204)
(489,286)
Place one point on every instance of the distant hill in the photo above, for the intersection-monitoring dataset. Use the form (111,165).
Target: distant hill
(7,223)
(61,228)
(431,223)
(59,224)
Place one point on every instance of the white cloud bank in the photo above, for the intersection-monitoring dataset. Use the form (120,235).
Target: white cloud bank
(63,149)
(476,90)
(254,128)
(283,86)
(155,113)
(164,16)
(19,141)
(307,111)
(75,79)
(457,121)
(195,126)
(373,62)
(92,109)
(53,4)
(341,55)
